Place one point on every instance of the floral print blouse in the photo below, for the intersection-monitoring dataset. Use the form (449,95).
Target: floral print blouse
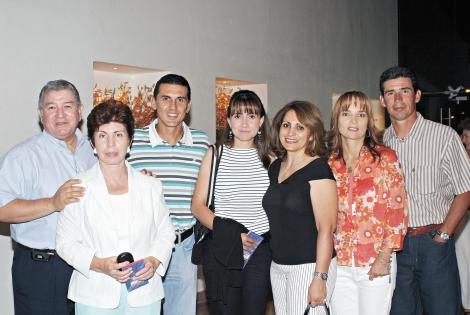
(372,207)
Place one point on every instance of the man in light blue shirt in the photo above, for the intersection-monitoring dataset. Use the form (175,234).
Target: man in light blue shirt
(35,184)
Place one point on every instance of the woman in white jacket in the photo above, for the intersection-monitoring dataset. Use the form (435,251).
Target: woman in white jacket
(122,211)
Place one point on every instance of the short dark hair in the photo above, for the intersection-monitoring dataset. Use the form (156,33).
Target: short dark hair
(58,85)
(246,101)
(464,124)
(310,116)
(398,72)
(110,111)
(172,79)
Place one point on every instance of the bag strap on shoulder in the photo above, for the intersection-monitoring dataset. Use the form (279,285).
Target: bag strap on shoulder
(215,160)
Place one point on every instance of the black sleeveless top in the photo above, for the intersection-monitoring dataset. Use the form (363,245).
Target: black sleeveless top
(290,213)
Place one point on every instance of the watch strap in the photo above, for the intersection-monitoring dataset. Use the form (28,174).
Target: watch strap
(321,275)
(445,236)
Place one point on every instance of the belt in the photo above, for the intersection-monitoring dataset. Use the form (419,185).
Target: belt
(44,255)
(182,236)
(412,231)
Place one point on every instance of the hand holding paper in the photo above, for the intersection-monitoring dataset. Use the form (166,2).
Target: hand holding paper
(250,243)
(134,283)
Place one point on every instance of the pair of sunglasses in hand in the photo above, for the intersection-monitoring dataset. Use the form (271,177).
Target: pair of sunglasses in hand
(324,306)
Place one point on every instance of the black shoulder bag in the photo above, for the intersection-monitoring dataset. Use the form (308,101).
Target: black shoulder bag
(200,231)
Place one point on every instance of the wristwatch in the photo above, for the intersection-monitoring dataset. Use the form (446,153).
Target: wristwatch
(321,275)
(445,236)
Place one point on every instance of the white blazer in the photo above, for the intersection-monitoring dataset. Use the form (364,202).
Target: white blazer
(87,228)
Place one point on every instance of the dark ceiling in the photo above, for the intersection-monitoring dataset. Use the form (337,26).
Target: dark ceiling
(434,41)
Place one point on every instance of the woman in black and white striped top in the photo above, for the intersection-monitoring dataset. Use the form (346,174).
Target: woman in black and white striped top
(240,183)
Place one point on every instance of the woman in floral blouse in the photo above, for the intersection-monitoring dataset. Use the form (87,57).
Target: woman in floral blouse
(372,206)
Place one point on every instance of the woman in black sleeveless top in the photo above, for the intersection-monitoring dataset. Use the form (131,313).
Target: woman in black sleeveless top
(301,204)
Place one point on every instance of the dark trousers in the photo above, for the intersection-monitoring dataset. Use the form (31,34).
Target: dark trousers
(427,278)
(250,299)
(40,287)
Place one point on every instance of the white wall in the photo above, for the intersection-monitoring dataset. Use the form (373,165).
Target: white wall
(303,49)
(262,91)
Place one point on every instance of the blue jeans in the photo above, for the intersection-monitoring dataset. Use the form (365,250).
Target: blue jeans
(427,278)
(180,282)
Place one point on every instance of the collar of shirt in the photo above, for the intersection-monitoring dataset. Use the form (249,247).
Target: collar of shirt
(415,130)
(80,139)
(365,158)
(155,139)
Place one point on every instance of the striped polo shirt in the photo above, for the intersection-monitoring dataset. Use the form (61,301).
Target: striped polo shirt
(435,166)
(177,166)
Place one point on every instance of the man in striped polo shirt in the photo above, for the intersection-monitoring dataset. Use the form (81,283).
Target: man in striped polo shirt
(173,152)
(437,179)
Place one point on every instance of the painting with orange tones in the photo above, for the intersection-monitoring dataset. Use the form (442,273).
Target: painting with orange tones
(222,99)
(140,104)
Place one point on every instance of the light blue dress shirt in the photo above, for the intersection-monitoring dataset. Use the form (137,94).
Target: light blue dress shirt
(35,169)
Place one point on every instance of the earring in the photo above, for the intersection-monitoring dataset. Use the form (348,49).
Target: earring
(367,133)
(230,135)
(258,136)
(94,151)
(128,149)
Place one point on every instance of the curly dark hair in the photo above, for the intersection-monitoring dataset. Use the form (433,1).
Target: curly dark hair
(110,111)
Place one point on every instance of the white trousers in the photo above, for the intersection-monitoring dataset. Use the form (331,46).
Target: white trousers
(462,250)
(355,294)
(290,285)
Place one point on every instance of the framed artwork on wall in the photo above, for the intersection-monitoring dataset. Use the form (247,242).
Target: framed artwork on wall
(129,84)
